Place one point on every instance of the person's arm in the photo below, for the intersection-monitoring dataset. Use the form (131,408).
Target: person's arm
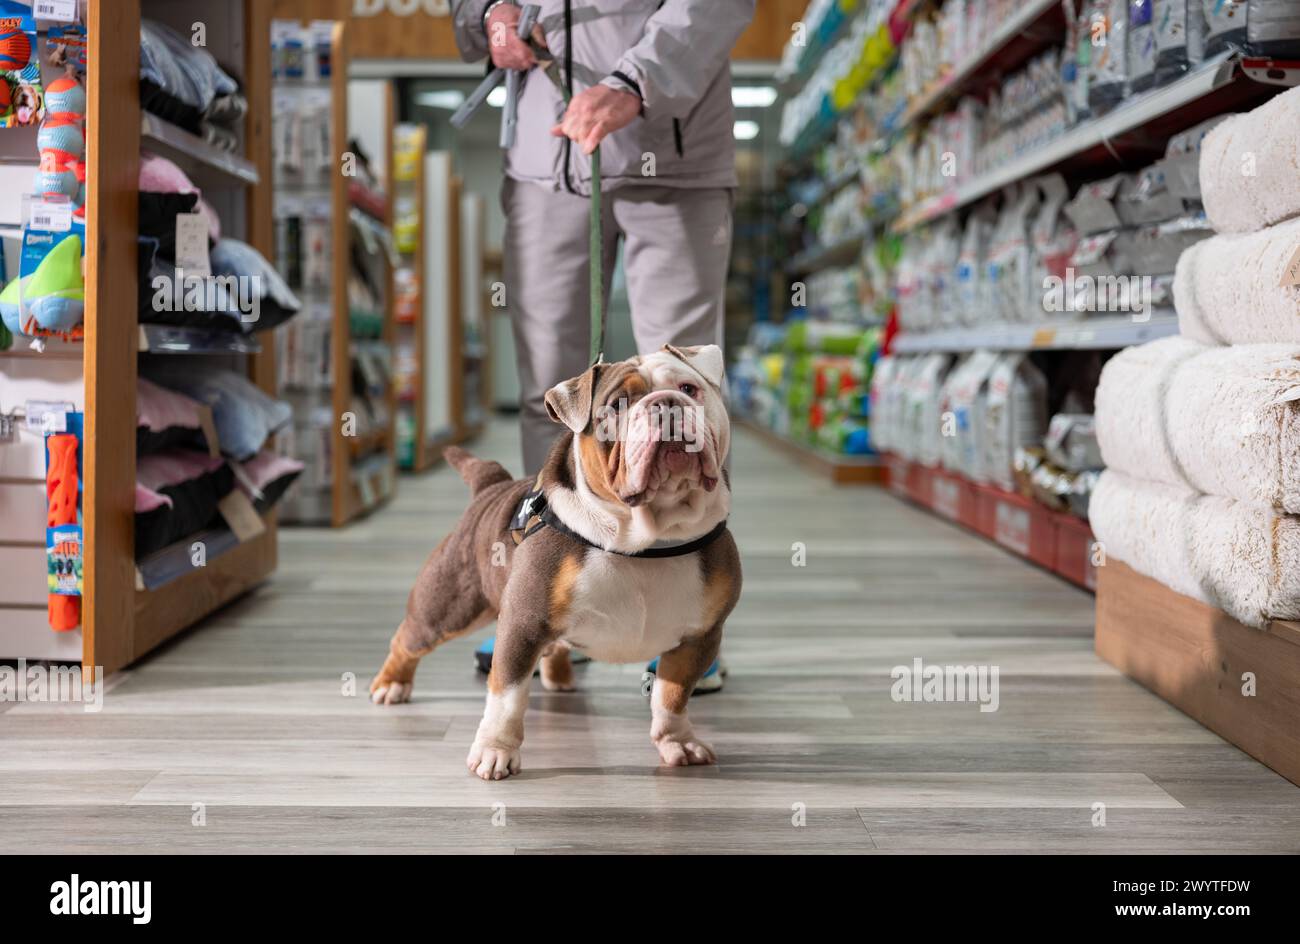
(685,44)
(489,28)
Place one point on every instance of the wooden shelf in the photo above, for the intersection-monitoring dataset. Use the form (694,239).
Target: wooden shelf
(173,339)
(1195,657)
(120,623)
(205,164)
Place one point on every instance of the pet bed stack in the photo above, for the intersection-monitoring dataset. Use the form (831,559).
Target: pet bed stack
(1201,432)
(1201,438)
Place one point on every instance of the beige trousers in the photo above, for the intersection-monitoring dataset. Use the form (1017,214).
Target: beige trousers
(676,244)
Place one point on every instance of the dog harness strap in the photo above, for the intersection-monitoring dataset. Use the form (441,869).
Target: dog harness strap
(534,513)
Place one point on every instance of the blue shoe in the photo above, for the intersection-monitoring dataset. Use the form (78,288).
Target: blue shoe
(710,681)
(483,655)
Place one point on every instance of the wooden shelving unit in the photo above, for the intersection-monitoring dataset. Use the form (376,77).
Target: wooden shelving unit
(123,614)
(360,473)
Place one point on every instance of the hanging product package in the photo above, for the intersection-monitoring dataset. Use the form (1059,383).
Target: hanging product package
(63,534)
(51,286)
(21,96)
(1225,24)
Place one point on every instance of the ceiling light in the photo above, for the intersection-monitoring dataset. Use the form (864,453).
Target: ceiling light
(745,130)
(451,99)
(753,96)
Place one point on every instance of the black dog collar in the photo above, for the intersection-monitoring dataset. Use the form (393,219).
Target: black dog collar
(534,513)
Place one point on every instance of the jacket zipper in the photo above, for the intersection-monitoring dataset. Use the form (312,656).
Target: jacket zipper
(677,137)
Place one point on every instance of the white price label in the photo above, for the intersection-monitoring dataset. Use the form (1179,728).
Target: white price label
(55,11)
(51,216)
(192,244)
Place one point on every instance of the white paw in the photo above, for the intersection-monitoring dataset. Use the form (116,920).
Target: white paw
(492,763)
(392,693)
(684,750)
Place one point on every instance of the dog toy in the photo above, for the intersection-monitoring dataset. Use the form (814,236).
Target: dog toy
(61,496)
(15,51)
(56,292)
(65,96)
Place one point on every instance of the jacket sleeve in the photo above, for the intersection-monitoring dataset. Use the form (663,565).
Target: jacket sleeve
(686,43)
(467,21)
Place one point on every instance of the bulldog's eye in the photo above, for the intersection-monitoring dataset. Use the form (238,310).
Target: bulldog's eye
(689,389)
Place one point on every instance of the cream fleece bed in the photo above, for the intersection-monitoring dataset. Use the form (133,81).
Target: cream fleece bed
(1227,289)
(1250,167)
(1219,420)
(1242,559)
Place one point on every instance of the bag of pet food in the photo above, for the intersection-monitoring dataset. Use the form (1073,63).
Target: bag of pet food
(969,402)
(1225,24)
(924,407)
(1273,29)
(1052,240)
(1015,415)
(1179,29)
(970,265)
(1141,45)
(1108,68)
(1008,269)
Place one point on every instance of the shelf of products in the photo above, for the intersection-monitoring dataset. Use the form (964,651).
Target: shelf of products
(168,528)
(1132,115)
(1091,334)
(194,154)
(336,248)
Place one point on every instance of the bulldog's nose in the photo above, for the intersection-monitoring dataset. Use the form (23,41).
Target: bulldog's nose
(666,410)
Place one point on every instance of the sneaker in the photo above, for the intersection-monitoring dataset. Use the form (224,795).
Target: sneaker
(710,681)
(483,655)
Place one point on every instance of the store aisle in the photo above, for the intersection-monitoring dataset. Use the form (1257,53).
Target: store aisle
(247,714)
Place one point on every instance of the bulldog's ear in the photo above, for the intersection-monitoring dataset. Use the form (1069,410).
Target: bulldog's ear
(570,402)
(706,358)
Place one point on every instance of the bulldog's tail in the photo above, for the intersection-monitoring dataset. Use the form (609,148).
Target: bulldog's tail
(477,473)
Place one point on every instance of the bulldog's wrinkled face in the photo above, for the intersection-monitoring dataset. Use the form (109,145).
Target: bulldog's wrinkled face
(653,428)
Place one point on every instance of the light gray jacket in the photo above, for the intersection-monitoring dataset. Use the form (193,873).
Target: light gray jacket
(673,53)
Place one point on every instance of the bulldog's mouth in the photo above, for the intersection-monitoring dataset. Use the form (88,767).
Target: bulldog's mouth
(673,465)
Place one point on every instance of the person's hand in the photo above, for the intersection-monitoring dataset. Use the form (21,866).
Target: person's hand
(507,49)
(596,112)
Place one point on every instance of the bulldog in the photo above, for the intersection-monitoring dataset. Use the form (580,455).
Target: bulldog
(618,548)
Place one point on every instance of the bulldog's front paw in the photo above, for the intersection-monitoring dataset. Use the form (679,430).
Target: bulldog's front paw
(683,750)
(492,763)
(387,691)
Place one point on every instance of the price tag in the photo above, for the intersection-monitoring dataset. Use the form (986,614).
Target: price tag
(46,416)
(192,244)
(52,216)
(241,517)
(1043,337)
(55,11)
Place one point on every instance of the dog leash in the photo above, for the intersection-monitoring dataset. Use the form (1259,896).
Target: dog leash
(595,245)
(529,14)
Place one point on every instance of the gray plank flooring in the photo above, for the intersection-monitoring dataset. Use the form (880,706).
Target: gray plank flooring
(247,714)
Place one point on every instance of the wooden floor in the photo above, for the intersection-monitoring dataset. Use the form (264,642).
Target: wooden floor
(247,715)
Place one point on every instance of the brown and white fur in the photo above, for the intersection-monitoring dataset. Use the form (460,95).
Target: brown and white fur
(624,480)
